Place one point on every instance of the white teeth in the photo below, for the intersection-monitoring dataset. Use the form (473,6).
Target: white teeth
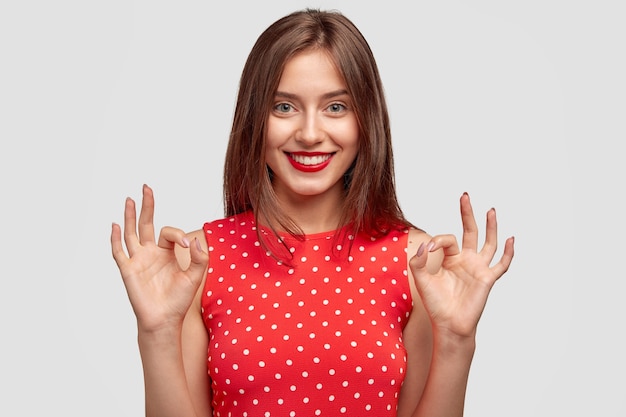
(310,160)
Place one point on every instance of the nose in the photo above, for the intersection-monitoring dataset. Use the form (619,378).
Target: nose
(311,130)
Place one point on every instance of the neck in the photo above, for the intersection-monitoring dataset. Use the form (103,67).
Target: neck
(314,214)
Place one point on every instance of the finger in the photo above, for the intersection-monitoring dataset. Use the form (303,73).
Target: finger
(491,237)
(146,217)
(171,236)
(199,261)
(116,246)
(130,226)
(418,266)
(505,261)
(470,229)
(447,243)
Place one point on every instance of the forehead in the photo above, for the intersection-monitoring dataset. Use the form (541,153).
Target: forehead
(311,70)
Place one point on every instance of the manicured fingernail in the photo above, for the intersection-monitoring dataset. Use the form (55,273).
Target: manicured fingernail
(185,242)
(198,245)
(420,250)
(431,245)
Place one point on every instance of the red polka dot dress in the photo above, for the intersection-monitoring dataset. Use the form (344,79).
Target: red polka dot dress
(321,336)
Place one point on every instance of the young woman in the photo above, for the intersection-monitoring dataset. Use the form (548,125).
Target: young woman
(314,295)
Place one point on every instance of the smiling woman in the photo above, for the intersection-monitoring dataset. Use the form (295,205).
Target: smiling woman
(312,139)
(314,295)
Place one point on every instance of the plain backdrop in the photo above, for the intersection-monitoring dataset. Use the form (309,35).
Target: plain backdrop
(519,103)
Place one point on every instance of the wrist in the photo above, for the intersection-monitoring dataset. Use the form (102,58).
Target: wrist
(165,335)
(448,343)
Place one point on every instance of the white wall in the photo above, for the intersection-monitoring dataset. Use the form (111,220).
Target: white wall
(519,103)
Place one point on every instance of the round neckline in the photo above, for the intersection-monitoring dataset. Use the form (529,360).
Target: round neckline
(328,234)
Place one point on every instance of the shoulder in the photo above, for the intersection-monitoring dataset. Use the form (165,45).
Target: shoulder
(221,226)
(226,225)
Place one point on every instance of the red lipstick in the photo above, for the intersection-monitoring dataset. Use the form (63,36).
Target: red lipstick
(309,161)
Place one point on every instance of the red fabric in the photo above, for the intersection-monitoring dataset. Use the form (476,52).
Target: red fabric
(320,337)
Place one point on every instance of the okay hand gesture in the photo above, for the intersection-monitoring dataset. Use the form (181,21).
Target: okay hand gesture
(159,290)
(456,295)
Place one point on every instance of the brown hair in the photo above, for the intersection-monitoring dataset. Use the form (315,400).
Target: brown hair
(370,204)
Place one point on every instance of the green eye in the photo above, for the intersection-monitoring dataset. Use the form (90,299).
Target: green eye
(283,107)
(336,107)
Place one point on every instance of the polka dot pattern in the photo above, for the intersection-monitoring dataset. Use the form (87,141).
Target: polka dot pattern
(321,336)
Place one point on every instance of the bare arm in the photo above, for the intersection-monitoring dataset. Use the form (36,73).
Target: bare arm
(163,289)
(454,297)
(417,334)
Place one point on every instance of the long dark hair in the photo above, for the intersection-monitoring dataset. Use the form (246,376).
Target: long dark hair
(370,203)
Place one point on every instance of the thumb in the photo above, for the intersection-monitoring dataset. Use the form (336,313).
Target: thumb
(199,261)
(418,263)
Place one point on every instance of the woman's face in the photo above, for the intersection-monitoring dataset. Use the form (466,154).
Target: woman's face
(312,130)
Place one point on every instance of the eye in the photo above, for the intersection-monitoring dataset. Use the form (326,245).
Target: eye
(336,108)
(283,107)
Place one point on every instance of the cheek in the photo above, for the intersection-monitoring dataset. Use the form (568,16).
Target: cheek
(351,137)
(277,132)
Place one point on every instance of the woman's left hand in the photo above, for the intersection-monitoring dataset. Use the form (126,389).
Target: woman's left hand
(456,295)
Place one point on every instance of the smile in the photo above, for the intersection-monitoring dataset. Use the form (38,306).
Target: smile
(309,162)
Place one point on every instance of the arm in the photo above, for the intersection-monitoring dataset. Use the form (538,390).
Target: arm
(454,297)
(163,288)
(178,370)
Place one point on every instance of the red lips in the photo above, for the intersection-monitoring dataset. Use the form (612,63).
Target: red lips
(309,161)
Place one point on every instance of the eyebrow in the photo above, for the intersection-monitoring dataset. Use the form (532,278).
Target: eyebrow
(326,96)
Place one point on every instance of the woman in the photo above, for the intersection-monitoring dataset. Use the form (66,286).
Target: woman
(314,295)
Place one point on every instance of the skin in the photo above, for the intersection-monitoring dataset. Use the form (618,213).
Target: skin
(164,278)
(312,113)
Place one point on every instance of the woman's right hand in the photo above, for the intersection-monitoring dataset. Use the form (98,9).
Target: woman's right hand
(160,291)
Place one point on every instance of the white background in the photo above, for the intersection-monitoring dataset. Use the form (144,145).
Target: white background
(520,103)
